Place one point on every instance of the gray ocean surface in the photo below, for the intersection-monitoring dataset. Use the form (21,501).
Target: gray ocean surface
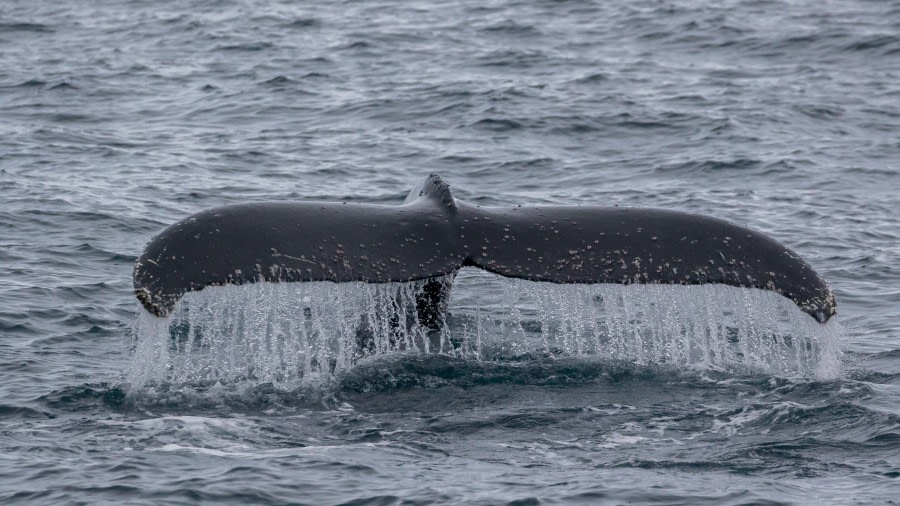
(118,118)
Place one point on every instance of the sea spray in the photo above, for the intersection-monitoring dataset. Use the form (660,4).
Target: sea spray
(299,333)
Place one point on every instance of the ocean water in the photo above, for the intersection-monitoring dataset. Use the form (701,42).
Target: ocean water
(118,118)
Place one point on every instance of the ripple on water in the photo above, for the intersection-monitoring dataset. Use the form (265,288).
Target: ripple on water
(116,121)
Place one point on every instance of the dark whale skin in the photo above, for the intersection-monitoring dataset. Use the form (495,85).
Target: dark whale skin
(433,235)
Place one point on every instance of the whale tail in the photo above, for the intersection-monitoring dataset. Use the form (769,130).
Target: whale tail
(432,235)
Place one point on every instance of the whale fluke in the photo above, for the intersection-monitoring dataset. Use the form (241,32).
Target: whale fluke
(432,235)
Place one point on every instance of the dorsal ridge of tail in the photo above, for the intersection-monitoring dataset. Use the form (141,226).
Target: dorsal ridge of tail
(433,188)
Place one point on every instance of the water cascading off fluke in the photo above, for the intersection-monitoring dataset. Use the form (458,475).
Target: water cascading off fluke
(377,279)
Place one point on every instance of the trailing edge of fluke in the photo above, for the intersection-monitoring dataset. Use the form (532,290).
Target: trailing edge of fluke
(433,235)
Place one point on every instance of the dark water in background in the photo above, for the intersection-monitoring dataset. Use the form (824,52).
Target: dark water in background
(118,118)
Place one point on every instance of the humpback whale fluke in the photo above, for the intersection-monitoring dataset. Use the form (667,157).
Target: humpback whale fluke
(433,234)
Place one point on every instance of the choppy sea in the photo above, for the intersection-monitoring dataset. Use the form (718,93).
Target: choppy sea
(118,118)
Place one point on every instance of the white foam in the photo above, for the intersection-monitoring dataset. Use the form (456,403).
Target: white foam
(247,452)
(615,440)
(292,333)
(192,424)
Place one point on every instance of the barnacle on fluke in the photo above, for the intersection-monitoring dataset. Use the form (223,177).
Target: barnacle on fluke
(433,235)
